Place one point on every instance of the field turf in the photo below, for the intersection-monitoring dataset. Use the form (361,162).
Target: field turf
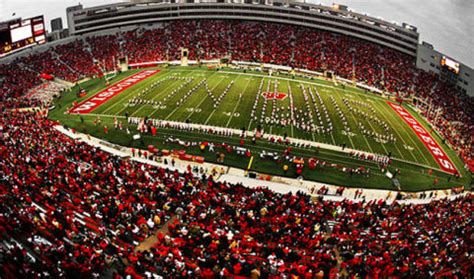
(410,155)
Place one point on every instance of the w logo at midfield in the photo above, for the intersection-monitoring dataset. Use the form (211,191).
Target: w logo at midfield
(272,95)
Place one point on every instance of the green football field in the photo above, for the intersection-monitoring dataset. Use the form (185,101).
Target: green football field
(322,112)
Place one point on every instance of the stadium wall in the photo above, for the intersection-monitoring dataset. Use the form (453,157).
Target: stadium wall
(429,59)
(337,19)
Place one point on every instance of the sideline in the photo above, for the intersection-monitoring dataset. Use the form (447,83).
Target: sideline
(277,184)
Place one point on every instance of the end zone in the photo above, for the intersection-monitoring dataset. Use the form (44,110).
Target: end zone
(443,161)
(98,99)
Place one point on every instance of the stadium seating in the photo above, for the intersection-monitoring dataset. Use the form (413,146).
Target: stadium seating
(271,43)
(71,210)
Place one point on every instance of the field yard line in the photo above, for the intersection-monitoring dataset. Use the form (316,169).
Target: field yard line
(124,96)
(237,104)
(105,115)
(140,108)
(251,119)
(333,140)
(331,114)
(250,124)
(171,113)
(209,117)
(383,145)
(355,122)
(205,98)
(350,140)
(396,131)
(414,143)
(296,80)
(154,99)
(314,105)
(290,92)
(177,107)
(213,111)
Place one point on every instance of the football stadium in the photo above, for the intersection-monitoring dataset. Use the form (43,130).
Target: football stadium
(232,139)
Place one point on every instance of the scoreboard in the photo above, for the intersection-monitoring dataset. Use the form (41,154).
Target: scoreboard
(19,33)
(450,64)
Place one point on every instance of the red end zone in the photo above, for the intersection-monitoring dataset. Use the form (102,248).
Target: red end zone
(438,153)
(98,99)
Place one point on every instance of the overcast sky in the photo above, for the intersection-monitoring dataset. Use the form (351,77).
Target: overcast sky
(447,24)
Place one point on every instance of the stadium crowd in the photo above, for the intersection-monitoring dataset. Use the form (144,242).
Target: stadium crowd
(252,41)
(71,210)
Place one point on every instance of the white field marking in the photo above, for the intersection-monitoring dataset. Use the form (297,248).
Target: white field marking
(355,121)
(163,90)
(321,106)
(351,91)
(396,131)
(237,104)
(209,117)
(333,140)
(171,113)
(290,92)
(195,109)
(383,145)
(102,115)
(214,110)
(315,87)
(155,110)
(227,113)
(313,106)
(205,98)
(341,161)
(407,147)
(140,108)
(250,124)
(335,117)
(411,139)
(124,96)
(328,147)
(251,119)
